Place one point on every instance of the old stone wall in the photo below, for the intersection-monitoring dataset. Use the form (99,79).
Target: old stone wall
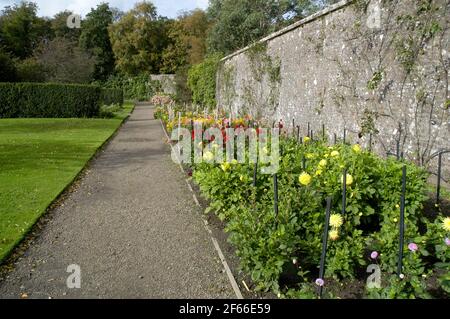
(372,67)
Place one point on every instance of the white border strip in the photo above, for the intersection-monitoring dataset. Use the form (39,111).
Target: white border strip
(205,224)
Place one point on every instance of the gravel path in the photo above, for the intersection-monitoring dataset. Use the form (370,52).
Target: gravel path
(131,226)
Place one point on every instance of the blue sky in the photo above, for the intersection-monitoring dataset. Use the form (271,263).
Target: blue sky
(168,8)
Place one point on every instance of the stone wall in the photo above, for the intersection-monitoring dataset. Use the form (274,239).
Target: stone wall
(166,82)
(378,66)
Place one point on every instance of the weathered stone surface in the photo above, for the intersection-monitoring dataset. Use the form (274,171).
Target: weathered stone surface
(167,82)
(367,66)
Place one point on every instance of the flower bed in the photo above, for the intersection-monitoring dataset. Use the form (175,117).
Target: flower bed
(289,244)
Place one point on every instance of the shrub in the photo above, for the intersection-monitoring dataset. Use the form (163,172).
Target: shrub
(49,100)
(138,88)
(8,72)
(112,96)
(202,81)
(31,70)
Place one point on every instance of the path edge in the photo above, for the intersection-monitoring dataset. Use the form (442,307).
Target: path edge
(7,264)
(216,245)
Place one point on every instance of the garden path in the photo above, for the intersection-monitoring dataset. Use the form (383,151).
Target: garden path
(132,227)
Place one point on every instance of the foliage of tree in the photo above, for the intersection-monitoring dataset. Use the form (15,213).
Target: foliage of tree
(138,40)
(22,30)
(60,29)
(65,61)
(31,70)
(187,35)
(238,23)
(7,68)
(95,39)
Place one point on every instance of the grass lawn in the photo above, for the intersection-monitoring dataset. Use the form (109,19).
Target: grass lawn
(38,159)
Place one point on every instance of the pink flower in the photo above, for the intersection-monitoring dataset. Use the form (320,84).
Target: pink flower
(447,241)
(320,282)
(374,255)
(413,247)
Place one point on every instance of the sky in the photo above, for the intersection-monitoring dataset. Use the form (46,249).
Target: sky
(168,8)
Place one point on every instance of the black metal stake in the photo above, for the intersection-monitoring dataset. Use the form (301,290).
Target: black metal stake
(324,244)
(309,127)
(293,127)
(402,223)
(255,173)
(345,134)
(398,150)
(323,131)
(334,138)
(344,191)
(312,135)
(370,142)
(298,133)
(275,194)
(438,188)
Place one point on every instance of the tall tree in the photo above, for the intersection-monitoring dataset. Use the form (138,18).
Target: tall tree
(8,72)
(65,62)
(60,29)
(22,29)
(237,23)
(138,40)
(95,39)
(188,45)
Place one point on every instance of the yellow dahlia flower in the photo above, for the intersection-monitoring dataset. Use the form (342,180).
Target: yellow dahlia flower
(446,223)
(306,139)
(225,166)
(334,154)
(356,148)
(334,234)
(319,172)
(323,163)
(336,220)
(309,155)
(304,179)
(348,181)
(208,156)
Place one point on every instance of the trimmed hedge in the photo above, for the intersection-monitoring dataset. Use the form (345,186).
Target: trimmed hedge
(49,100)
(112,96)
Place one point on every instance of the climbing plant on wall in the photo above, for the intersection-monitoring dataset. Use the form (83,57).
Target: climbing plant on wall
(265,70)
(405,69)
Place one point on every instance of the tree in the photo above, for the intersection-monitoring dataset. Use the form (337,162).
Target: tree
(138,40)
(31,70)
(238,23)
(95,39)
(188,46)
(60,29)
(8,72)
(21,30)
(65,61)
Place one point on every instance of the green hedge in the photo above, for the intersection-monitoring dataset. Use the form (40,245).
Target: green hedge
(112,96)
(49,100)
